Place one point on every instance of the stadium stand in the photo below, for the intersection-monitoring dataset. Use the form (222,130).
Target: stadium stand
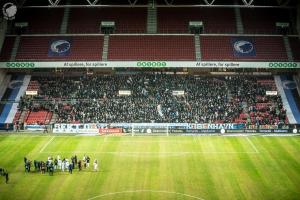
(38,117)
(295,46)
(240,99)
(176,20)
(7,48)
(151,48)
(263,21)
(36,19)
(127,20)
(221,48)
(81,48)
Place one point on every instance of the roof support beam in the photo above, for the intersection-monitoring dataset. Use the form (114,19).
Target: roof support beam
(54,3)
(209,3)
(132,3)
(248,3)
(92,3)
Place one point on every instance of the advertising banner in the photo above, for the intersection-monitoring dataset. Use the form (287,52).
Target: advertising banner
(110,130)
(34,127)
(193,131)
(148,64)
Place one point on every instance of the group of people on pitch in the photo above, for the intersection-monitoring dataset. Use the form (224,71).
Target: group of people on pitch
(50,165)
(4,173)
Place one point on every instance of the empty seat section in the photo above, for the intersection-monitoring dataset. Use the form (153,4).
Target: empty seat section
(221,48)
(151,48)
(41,20)
(295,46)
(7,48)
(127,20)
(38,117)
(263,21)
(82,48)
(176,20)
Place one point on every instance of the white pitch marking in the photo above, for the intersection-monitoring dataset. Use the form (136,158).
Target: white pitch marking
(153,153)
(253,146)
(44,147)
(151,191)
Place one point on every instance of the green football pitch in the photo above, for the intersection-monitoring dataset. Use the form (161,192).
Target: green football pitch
(154,167)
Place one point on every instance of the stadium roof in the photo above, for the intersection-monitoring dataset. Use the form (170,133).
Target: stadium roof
(95,3)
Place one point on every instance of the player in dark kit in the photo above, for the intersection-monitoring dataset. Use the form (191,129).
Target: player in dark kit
(79,165)
(6,177)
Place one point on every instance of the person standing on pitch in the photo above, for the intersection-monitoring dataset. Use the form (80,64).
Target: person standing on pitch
(87,161)
(6,177)
(95,165)
(70,168)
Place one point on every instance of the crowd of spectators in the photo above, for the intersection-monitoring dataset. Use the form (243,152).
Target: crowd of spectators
(206,99)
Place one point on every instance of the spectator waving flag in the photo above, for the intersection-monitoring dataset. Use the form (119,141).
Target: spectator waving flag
(243,47)
(59,47)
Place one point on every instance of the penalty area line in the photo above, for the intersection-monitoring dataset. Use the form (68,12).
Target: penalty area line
(146,191)
(45,146)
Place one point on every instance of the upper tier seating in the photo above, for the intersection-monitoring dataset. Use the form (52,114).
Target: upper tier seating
(7,48)
(127,20)
(295,46)
(151,48)
(263,21)
(41,20)
(176,20)
(82,48)
(221,48)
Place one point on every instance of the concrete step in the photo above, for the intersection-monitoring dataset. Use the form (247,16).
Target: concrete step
(198,47)
(238,18)
(151,18)
(105,48)
(15,48)
(288,48)
(65,21)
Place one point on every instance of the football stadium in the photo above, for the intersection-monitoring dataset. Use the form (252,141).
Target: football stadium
(150,99)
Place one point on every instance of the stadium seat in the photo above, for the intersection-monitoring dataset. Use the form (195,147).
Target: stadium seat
(127,20)
(176,20)
(295,46)
(263,21)
(41,20)
(221,48)
(7,48)
(151,48)
(82,48)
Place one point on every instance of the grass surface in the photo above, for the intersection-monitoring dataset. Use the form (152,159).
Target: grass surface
(185,168)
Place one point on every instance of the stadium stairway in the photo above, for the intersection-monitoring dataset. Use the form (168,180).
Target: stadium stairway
(3,27)
(288,48)
(15,48)
(290,97)
(238,18)
(14,91)
(197,47)
(105,47)
(151,18)
(3,85)
(65,21)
